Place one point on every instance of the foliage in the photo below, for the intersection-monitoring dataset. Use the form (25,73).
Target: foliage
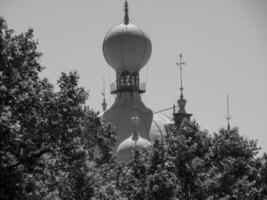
(48,138)
(191,164)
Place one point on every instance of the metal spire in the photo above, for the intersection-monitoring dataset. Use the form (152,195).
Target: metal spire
(228,117)
(126,16)
(104,104)
(181,64)
(181,115)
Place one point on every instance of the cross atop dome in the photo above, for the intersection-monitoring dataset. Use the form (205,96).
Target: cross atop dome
(181,102)
(181,64)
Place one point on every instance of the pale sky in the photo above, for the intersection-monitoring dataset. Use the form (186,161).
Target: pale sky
(224,44)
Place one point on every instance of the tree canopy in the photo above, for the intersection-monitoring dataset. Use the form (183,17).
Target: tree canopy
(54,147)
(48,138)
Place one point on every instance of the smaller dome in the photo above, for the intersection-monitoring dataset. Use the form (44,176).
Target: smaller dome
(125,149)
(181,103)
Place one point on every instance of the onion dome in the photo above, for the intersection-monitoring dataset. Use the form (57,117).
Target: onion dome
(126,47)
(158,126)
(125,149)
(181,103)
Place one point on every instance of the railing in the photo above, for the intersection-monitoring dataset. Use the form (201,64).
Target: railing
(114,88)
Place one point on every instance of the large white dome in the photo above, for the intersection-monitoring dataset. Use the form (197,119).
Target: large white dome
(126,48)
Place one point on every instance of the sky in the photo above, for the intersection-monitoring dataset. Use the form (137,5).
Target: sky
(223,42)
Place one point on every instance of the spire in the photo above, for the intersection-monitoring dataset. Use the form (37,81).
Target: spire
(104,104)
(181,115)
(126,16)
(135,121)
(181,64)
(228,117)
(181,102)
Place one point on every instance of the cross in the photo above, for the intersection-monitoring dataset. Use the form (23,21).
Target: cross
(180,64)
(228,117)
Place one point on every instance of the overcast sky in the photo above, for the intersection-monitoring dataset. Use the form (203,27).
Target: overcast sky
(224,44)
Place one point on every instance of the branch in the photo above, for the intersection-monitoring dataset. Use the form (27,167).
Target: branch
(34,156)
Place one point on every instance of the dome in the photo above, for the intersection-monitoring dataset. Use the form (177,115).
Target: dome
(158,126)
(125,149)
(181,103)
(126,48)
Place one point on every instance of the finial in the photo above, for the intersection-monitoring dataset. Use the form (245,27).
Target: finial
(126,16)
(181,101)
(135,123)
(228,117)
(104,104)
(181,64)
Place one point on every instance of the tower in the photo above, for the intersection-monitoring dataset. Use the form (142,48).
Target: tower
(181,115)
(127,49)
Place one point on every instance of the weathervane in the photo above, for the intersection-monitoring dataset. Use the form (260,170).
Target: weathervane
(228,117)
(181,64)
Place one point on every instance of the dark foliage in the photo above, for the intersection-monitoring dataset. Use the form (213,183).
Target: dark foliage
(48,138)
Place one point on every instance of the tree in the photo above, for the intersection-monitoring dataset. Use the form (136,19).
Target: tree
(192,164)
(48,138)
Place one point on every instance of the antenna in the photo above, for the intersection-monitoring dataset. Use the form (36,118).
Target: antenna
(228,117)
(181,64)
(103,93)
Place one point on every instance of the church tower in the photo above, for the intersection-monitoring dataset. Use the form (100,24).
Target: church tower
(181,115)
(127,49)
